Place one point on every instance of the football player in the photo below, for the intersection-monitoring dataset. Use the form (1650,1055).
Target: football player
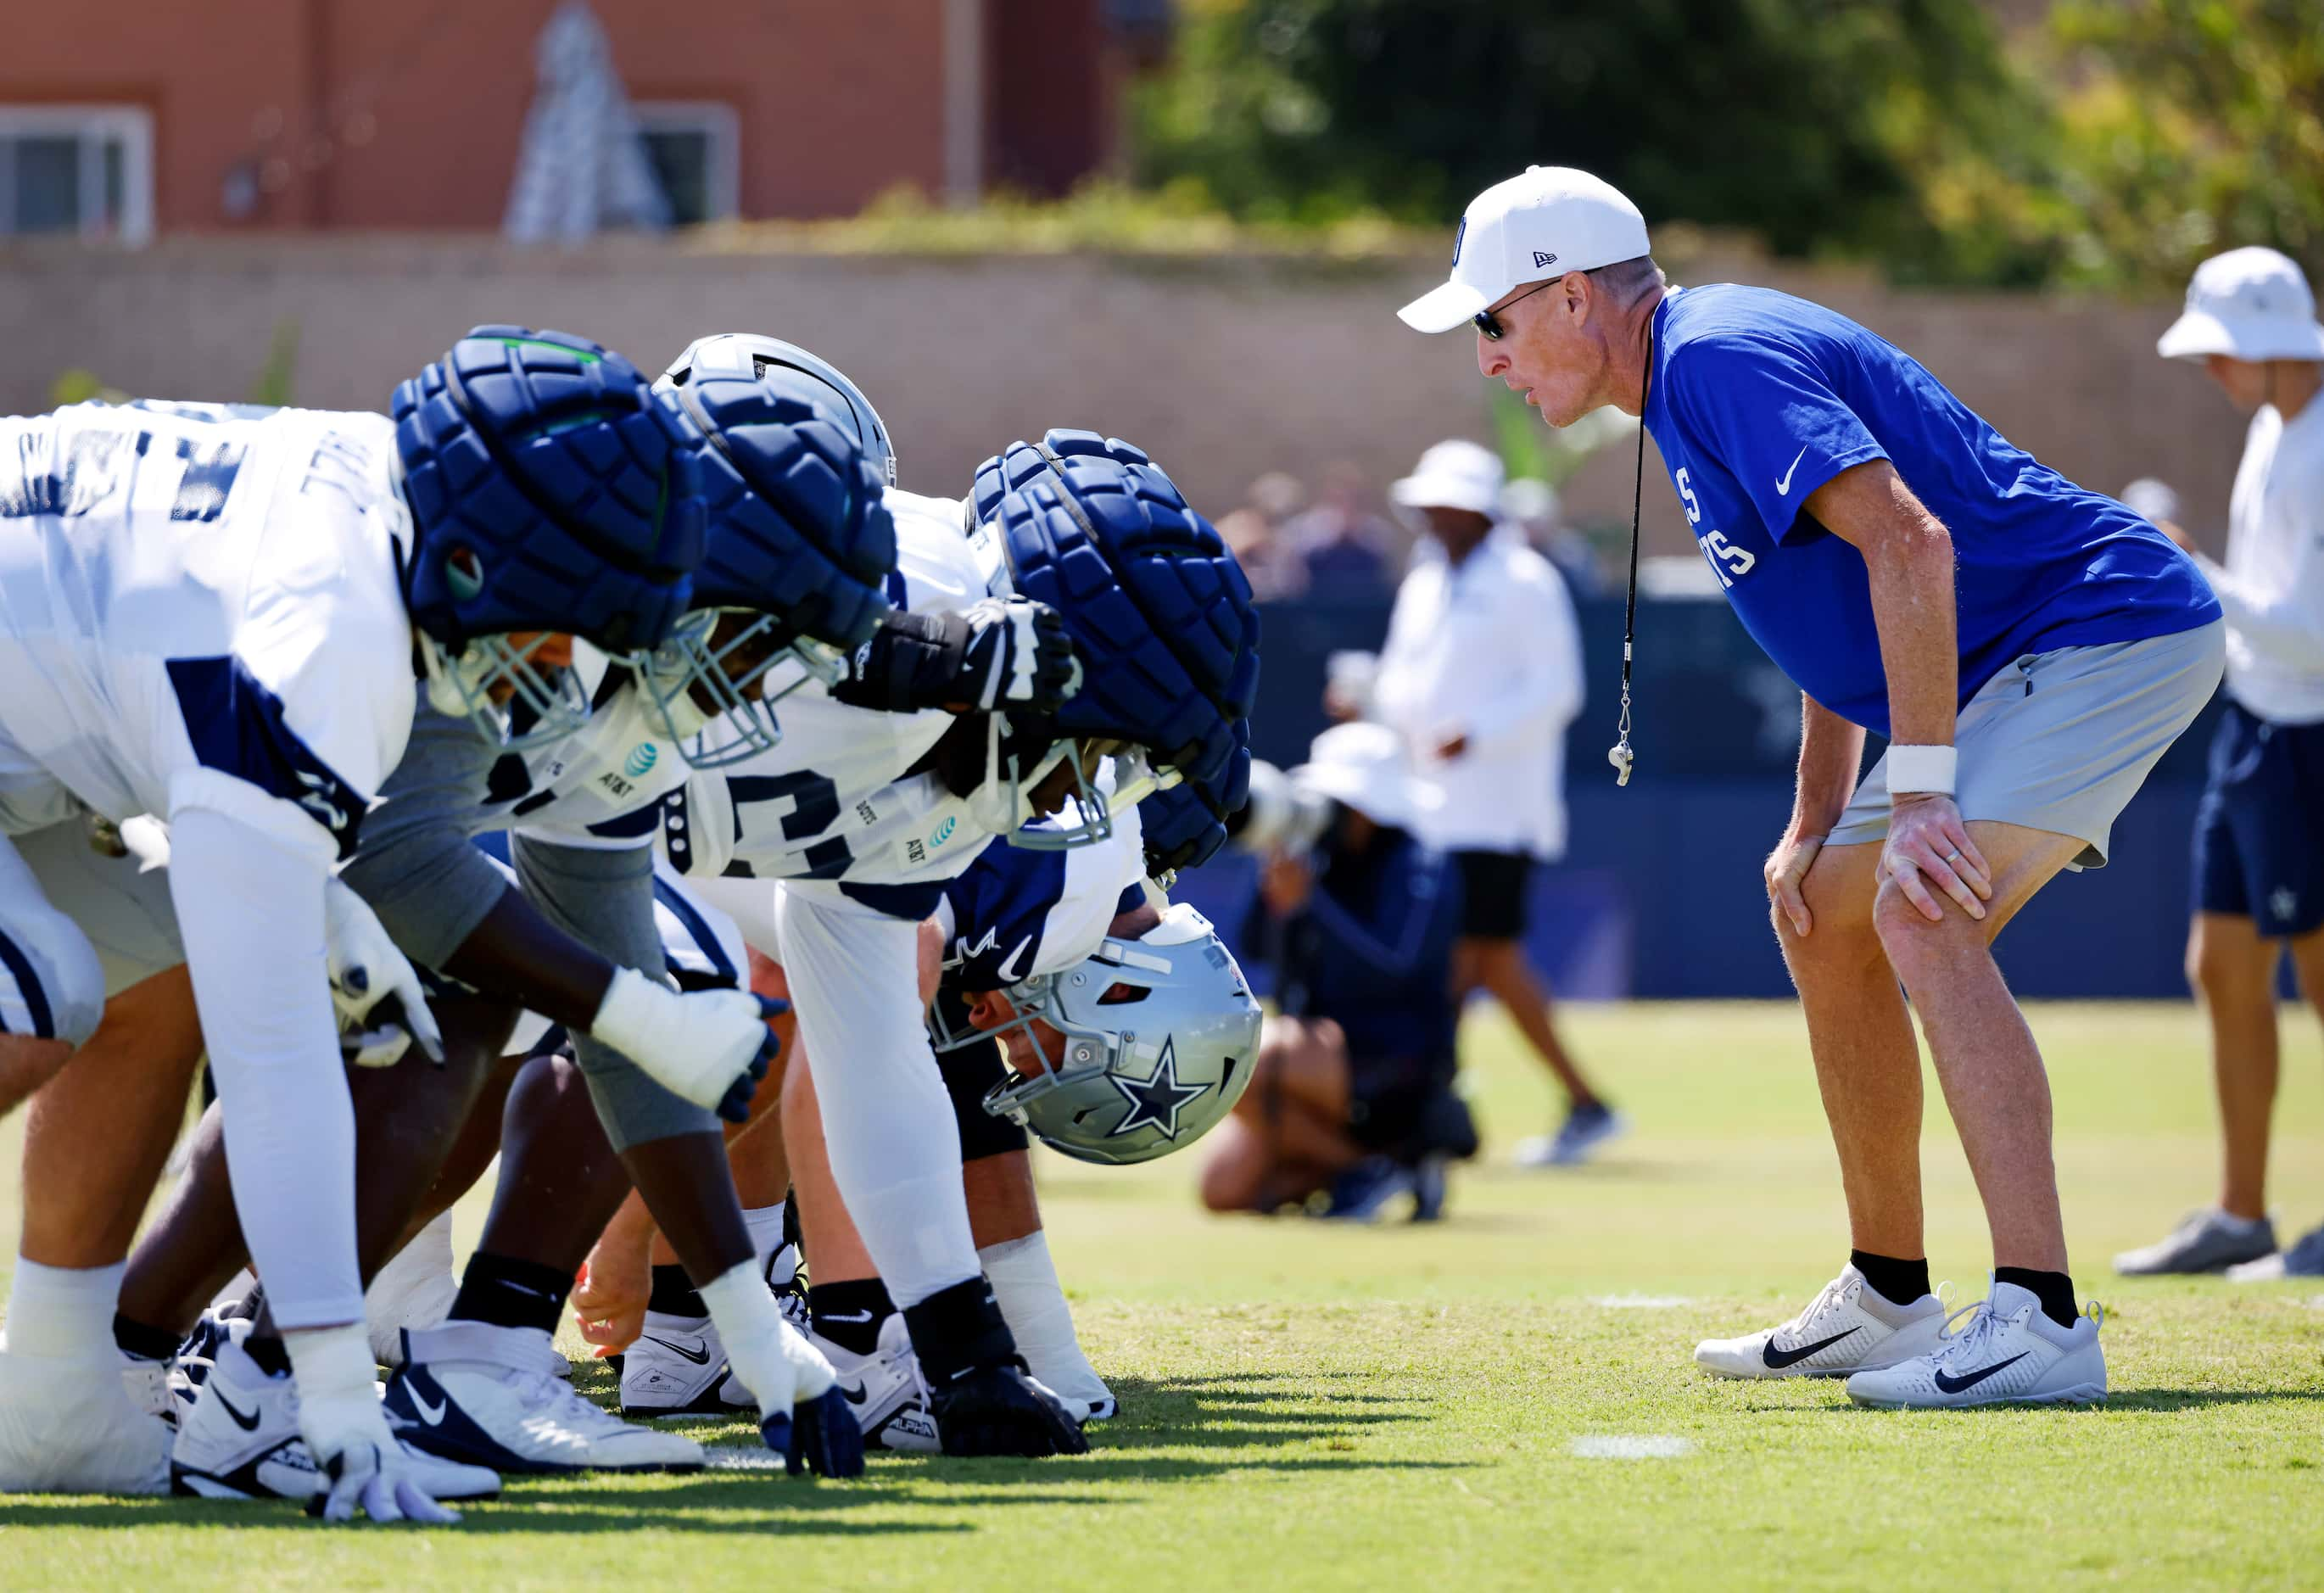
(216,616)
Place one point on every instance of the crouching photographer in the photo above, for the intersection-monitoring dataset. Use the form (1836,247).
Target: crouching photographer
(1352,1106)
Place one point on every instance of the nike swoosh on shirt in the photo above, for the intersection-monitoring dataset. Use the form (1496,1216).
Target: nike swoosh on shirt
(699,1354)
(1777,1359)
(1783,482)
(1955,1384)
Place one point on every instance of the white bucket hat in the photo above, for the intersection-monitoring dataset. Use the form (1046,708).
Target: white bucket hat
(1551,220)
(1455,475)
(2250,304)
(1361,766)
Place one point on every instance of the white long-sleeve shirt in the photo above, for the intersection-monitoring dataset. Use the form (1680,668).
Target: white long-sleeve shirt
(1488,649)
(2273,584)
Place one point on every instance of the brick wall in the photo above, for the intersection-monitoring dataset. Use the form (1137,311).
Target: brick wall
(1222,369)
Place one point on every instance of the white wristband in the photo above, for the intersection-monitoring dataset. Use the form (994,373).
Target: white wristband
(1915,770)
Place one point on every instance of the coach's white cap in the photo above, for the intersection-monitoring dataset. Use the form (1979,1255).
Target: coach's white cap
(2252,304)
(1363,765)
(1455,475)
(1552,220)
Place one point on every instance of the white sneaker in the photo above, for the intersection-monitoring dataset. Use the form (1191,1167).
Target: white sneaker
(2012,1354)
(493,1396)
(69,1426)
(241,1440)
(1847,1328)
(885,1390)
(678,1368)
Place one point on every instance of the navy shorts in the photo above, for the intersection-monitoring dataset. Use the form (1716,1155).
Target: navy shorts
(1493,888)
(2259,834)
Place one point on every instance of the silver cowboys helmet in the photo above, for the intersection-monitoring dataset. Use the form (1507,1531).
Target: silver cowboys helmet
(1160,1036)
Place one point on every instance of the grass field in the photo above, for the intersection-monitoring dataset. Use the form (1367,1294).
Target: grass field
(1308,1406)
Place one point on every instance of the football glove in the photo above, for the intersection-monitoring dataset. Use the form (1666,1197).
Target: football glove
(365,969)
(1001,653)
(1003,1411)
(710,1047)
(347,1433)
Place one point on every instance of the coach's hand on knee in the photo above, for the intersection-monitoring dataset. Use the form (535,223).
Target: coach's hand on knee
(1786,869)
(1928,847)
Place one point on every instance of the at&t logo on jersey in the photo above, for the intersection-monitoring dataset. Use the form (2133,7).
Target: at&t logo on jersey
(942,832)
(1726,560)
(641,760)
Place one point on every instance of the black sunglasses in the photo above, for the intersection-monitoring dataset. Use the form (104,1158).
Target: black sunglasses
(1489,321)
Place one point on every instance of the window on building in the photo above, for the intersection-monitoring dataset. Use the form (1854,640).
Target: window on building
(86,170)
(694,147)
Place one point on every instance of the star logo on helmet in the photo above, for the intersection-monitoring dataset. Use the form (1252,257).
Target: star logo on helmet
(1155,1102)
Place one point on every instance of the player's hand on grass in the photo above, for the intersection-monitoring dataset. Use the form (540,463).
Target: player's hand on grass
(1929,853)
(1786,869)
(366,1469)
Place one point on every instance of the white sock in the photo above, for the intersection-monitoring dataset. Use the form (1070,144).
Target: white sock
(415,1290)
(1033,1303)
(767,1354)
(766,1226)
(62,1311)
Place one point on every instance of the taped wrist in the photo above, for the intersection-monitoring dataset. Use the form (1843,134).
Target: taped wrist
(912,661)
(958,1329)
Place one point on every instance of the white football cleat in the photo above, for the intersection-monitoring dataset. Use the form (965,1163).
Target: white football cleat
(885,1390)
(71,1426)
(494,1396)
(2011,1354)
(678,1368)
(1847,1328)
(241,1440)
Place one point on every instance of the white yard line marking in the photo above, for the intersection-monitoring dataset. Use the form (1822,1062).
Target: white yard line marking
(1640,1302)
(1630,1446)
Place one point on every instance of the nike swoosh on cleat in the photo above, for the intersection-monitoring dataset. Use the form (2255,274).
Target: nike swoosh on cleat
(419,1402)
(1777,1359)
(854,1395)
(1956,1384)
(248,1423)
(847,1316)
(699,1354)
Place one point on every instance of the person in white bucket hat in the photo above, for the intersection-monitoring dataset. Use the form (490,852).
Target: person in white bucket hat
(1352,1091)
(2029,648)
(2259,834)
(1480,674)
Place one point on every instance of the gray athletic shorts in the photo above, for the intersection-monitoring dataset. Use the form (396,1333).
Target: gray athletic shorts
(2063,740)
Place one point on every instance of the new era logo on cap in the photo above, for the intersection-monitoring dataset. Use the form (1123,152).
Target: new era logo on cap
(1551,219)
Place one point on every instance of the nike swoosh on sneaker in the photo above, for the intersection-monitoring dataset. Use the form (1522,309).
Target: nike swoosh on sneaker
(854,1394)
(432,1416)
(699,1354)
(1956,1384)
(1777,1359)
(248,1424)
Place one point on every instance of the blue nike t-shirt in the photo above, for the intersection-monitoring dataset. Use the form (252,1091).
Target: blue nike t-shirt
(1757,398)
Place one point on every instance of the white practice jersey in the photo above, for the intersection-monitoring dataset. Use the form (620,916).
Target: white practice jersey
(832,805)
(195,600)
(577,791)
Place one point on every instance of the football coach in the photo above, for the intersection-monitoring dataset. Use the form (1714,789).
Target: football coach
(2029,648)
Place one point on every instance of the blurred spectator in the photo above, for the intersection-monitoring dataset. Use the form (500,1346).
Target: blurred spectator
(2154,501)
(1255,532)
(1345,546)
(1481,676)
(1352,1089)
(2259,833)
(1529,505)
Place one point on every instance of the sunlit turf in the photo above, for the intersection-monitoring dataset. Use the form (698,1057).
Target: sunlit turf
(1307,1406)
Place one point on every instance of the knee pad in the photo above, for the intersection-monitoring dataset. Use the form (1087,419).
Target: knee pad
(51,983)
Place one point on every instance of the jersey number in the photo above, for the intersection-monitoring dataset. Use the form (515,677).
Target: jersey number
(814,807)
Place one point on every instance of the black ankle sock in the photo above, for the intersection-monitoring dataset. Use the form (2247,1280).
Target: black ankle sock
(2054,1290)
(1898,1281)
(674,1293)
(508,1292)
(273,1358)
(142,1339)
(850,1313)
